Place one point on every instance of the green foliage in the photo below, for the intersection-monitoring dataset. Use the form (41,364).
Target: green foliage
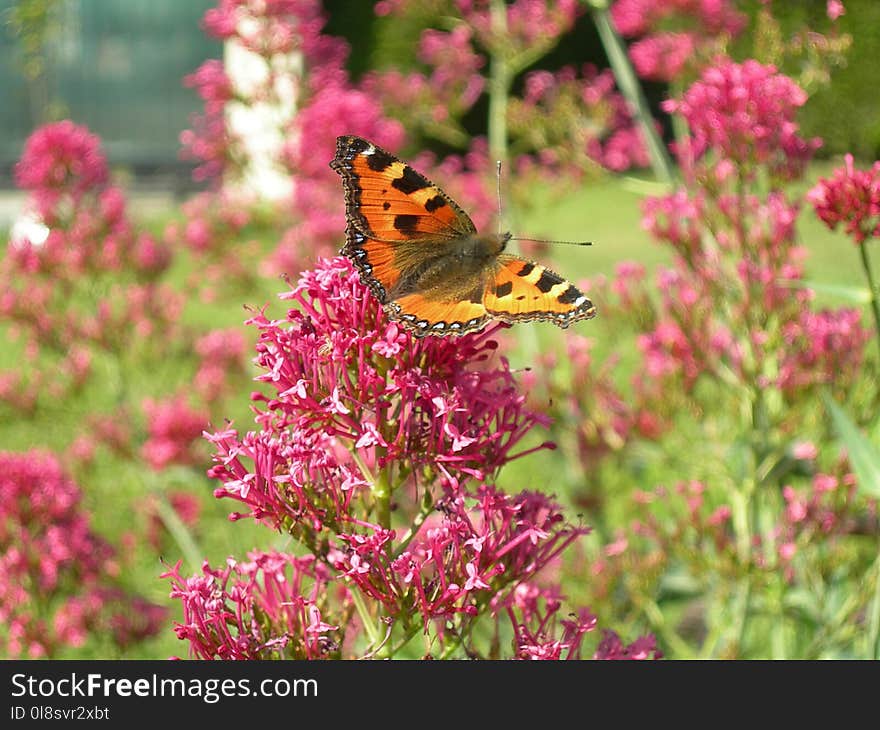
(34,24)
(846,112)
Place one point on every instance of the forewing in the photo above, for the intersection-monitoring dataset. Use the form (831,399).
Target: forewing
(388,200)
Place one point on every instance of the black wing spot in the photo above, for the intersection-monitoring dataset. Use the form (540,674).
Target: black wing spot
(386,205)
(547,281)
(503,290)
(406,223)
(432,204)
(527,269)
(409,181)
(379,161)
(569,296)
(520,297)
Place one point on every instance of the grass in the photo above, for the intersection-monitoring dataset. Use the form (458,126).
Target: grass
(606,212)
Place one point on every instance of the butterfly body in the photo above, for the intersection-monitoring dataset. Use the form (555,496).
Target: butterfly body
(423,259)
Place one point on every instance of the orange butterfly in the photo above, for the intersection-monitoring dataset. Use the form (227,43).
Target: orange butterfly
(422,257)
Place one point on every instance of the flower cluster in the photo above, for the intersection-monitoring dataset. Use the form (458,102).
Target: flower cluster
(745,114)
(527,23)
(216,233)
(210,142)
(743,128)
(572,122)
(222,354)
(850,198)
(79,278)
(58,577)
(187,509)
(433,102)
(367,428)
(661,54)
(589,406)
(484,543)
(689,519)
(729,343)
(175,431)
(356,395)
(59,160)
(270,606)
(272,31)
(825,347)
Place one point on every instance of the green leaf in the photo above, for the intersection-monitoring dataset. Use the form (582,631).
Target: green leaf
(863,455)
(855,294)
(631,88)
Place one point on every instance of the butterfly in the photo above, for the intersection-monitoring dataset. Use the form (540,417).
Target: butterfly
(421,256)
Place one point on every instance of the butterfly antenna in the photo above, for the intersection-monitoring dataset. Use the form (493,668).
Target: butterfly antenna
(530,240)
(498,190)
(544,240)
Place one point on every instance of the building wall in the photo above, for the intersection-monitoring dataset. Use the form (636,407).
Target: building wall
(117,67)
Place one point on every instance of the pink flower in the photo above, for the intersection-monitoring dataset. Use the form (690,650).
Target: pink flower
(675,218)
(58,158)
(675,34)
(851,197)
(212,84)
(151,257)
(528,22)
(834,9)
(56,575)
(822,347)
(486,541)
(174,431)
(746,113)
(662,56)
(611,647)
(540,634)
(222,354)
(667,351)
(321,429)
(570,97)
(270,606)
(713,17)
(805,451)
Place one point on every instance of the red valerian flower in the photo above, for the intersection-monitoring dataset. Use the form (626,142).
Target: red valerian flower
(746,113)
(57,577)
(269,606)
(357,400)
(851,198)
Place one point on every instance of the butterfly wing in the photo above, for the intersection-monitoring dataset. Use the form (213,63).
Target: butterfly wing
(397,219)
(523,291)
(423,314)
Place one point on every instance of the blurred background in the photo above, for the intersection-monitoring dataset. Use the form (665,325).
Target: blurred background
(118,68)
(164,176)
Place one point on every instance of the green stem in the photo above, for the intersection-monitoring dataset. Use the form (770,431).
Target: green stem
(404,641)
(382,499)
(426,507)
(499,85)
(179,531)
(373,633)
(680,129)
(680,648)
(741,618)
(632,91)
(873,648)
(875,293)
